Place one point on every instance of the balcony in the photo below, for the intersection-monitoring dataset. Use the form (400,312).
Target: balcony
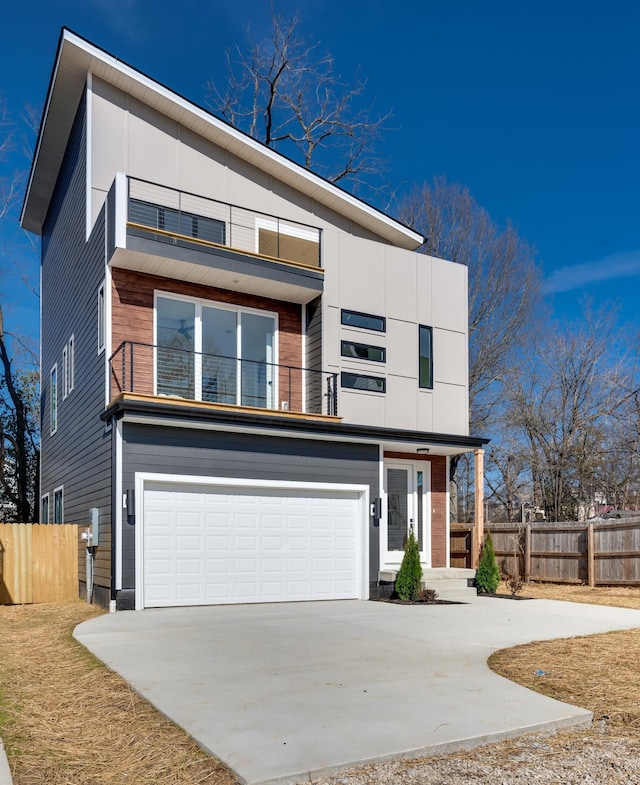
(223,382)
(172,233)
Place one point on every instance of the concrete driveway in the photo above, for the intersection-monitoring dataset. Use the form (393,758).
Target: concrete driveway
(283,692)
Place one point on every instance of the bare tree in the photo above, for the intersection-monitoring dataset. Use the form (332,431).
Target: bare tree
(565,408)
(505,303)
(19,392)
(285,93)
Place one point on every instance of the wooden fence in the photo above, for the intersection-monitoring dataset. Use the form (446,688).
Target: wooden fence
(38,562)
(602,554)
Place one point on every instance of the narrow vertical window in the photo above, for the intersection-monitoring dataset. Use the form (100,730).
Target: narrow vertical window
(53,402)
(65,372)
(101,319)
(425,359)
(44,510)
(58,505)
(72,362)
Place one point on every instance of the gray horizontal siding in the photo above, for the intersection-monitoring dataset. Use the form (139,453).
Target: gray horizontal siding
(234,455)
(78,455)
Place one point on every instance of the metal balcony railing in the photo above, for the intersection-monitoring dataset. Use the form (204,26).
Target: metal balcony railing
(168,371)
(180,217)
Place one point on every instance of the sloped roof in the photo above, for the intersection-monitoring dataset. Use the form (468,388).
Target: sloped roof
(76,57)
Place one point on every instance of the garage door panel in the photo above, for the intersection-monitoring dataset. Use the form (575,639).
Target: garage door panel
(229,545)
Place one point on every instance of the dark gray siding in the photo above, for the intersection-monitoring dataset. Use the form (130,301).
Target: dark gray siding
(222,454)
(78,455)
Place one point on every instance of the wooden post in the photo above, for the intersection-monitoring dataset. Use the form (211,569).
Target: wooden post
(591,557)
(478,456)
(527,553)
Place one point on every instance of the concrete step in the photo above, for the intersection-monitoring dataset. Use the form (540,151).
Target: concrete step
(449,584)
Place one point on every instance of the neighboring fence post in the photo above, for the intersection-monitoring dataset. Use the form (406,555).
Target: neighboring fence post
(591,557)
(479,504)
(527,553)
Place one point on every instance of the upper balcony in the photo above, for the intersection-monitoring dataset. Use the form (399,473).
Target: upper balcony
(162,231)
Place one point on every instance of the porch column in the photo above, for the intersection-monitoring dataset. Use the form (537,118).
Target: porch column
(478,464)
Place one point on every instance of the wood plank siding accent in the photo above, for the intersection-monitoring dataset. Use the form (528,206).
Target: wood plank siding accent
(132,320)
(438,502)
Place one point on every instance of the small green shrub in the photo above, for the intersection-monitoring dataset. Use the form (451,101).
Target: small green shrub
(410,572)
(488,572)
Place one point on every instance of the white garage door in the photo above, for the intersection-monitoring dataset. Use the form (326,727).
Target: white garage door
(207,545)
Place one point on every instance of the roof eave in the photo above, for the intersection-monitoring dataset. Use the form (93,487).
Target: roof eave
(76,57)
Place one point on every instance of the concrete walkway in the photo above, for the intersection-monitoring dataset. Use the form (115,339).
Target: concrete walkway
(283,692)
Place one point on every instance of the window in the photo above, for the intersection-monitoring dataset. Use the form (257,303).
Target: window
(65,372)
(217,354)
(53,401)
(58,505)
(362,351)
(365,321)
(177,221)
(72,362)
(44,509)
(425,359)
(357,381)
(101,319)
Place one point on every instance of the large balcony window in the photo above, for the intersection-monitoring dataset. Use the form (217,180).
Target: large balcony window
(215,354)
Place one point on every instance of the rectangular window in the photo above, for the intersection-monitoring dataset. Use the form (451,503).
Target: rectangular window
(44,509)
(65,372)
(101,319)
(177,221)
(365,321)
(236,362)
(53,401)
(425,359)
(362,351)
(72,362)
(58,505)
(358,381)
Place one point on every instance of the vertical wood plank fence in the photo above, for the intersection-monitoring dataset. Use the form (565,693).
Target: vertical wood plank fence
(38,562)
(598,554)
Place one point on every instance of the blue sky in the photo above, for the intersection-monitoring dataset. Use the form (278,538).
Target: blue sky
(534,106)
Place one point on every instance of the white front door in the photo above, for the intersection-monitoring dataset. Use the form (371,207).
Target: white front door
(408,497)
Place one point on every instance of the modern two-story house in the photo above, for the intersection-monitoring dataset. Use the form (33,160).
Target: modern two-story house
(252,384)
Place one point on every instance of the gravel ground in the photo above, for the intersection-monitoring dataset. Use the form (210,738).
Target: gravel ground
(592,758)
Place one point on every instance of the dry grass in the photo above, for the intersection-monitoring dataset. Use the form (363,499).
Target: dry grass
(598,672)
(65,719)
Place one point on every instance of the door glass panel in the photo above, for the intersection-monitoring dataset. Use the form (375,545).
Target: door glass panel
(175,340)
(420,505)
(257,383)
(219,360)
(397,508)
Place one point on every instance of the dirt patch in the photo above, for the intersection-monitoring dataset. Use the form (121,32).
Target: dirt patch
(616,596)
(66,719)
